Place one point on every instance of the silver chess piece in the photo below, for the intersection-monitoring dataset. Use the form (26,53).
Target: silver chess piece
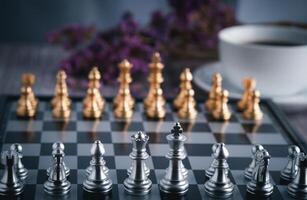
(97,181)
(213,165)
(174,181)
(96,147)
(21,171)
(57,183)
(298,187)
(138,182)
(10,183)
(290,170)
(219,185)
(260,184)
(59,147)
(249,170)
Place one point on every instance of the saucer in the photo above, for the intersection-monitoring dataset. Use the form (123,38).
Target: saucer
(202,78)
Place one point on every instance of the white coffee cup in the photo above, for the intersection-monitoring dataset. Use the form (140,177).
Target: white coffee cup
(279,70)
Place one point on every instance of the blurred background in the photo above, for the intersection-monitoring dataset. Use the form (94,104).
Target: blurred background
(42,37)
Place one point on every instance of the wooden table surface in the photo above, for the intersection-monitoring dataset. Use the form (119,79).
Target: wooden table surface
(43,61)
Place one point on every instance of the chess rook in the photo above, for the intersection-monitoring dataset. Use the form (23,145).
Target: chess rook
(10,184)
(290,170)
(249,170)
(260,185)
(219,185)
(174,181)
(298,187)
(21,171)
(138,182)
(97,181)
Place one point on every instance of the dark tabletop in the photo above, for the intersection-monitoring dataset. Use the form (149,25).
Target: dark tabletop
(43,61)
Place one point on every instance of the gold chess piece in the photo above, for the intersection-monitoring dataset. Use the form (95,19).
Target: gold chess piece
(156,109)
(188,111)
(61,109)
(155,79)
(60,89)
(94,77)
(92,109)
(123,109)
(253,111)
(27,103)
(215,92)
(222,111)
(124,80)
(249,85)
(185,84)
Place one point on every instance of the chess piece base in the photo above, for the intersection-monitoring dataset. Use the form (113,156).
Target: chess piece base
(22,173)
(104,186)
(263,191)
(137,187)
(174,187)
(15,189)
(219,190)
(297,191)
(57,188)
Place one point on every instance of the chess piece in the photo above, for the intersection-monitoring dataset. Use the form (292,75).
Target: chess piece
(155,80)
(62,109)
(92,108)
(298,187)
(221,110)
(27,103)
(186,78)
(124,80)
(123,109)
(98,150)
(290,170)
(188,110)
(94,85)
(219,185)
(156,109)
(20,169)
(57,183)
(58,148)
(260,184)
(253,111)
(60,89)
(174,181)
(10,184)
(138,182)
(249,86)
(248,171)
(215,92)
(97,181)
(210,171)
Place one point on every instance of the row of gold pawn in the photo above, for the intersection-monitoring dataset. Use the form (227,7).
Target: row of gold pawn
(248,105)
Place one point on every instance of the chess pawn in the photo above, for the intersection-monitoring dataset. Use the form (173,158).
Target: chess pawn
(58,148)
(156,110)
(28,81)
(215,92)
(92,109)
(21,171)
(94,83)
(219,185)
(260,185)
(62,109)
(221,111)
(155,79)
(10,184)
(25,107)
(57,183)
(188,110)
(249,86)
(60,88)
(138,182)
(290,170)
(124,109)
(298,187)
(249,171)
(185,84)
(97,181)
(253,111)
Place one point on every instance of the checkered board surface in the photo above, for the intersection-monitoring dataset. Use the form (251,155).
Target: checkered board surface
(38,134)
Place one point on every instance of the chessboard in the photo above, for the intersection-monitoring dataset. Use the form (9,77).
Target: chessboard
(37,135)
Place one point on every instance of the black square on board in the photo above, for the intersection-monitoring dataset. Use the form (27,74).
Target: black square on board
(59,126)
(41,176)
(277,150)
(210,118)
(127,126)
(30,162)
(104,117)
(259,128)
(23,137)
(157,138)
(198,149)
(90,137)
(195,127)
(70,149)
(159,162)
(168,117)
(238,163)
(232,138)
(28,192)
